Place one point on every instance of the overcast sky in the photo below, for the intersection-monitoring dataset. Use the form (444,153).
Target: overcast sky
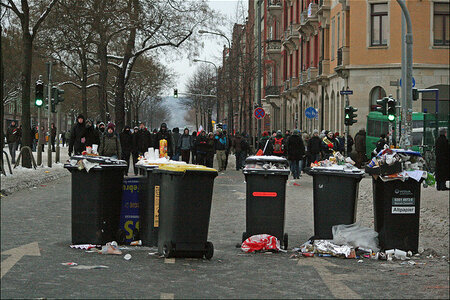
(213,45)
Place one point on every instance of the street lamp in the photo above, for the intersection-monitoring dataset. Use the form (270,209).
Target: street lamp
(217,81)
(217,33)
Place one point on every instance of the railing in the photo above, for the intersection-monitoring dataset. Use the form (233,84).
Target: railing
(272,3)
(311,73)
(274,45)
(339,57)
(272,90)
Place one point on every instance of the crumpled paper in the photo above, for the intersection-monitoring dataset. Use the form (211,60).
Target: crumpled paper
(260,242)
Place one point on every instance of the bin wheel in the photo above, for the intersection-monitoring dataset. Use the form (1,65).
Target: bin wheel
(209,252)
(168,250)
(285,241)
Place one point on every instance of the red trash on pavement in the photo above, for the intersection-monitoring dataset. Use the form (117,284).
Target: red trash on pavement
(260,242)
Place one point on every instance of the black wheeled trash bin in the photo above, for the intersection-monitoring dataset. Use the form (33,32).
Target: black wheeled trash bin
(265,178)
(149,209)
(185,196)
(335,196)
(96,198)
(396,206)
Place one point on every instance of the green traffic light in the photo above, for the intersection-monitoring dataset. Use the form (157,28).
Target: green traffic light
(391,118)
(39,102)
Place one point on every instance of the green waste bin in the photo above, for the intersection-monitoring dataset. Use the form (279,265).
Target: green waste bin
(149,213)
(96,198)
(185,194)
(265,178)
(335,196)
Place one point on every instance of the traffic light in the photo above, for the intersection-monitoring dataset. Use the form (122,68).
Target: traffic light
(175,93)
(59,96)
(53,99)
(383,105)
(391,109)
(39,97)
(350,115)
(415,94)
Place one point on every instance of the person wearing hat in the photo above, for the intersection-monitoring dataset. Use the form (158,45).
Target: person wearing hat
(442,160)
(278,144)
(110,143)
(100,129)
(77,142)
(314,147)
(265,144)
(164,134)
(91,134)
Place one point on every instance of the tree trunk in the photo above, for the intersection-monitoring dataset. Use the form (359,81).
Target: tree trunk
(26,83)
(84,79)
(103,77)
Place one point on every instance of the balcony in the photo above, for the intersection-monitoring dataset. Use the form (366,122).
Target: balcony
(309,21)
(272,91)
(291,37)
(324,68)
(274,7)
(290,86)
(274,49)
(342,57)
(311,74)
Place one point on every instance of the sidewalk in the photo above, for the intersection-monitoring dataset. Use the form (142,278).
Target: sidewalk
(26,178)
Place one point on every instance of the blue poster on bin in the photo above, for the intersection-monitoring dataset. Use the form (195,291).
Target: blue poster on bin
(129,213)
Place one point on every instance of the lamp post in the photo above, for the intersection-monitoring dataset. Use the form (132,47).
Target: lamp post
(230,109)
(217,83)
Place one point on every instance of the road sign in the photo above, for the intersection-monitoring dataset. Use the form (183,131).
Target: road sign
(413,82)
(349,92)
(311,112)
(259,113)
(394,83)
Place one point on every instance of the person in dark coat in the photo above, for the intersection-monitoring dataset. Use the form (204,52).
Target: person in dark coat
(110,143)
(53,136)
(91,134)
(295,153)
(12,138)
(350,143)
(442,161)
(126,143)
(328,148)
(164,134)
(176,138)
(210,150)
(379,145)
(77,143)
(265,144)
(194,147)
(185,145)
(100,128)
(314,146)
(142,140)
(360,147)
(201,146)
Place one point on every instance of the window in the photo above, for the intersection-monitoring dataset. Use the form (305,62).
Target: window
(379,24)
(270,77)
(339,31)
(270,32)
(376,93)
(332,39)
(441,24)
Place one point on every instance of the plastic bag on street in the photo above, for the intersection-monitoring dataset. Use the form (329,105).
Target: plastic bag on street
(355,235)
(260,242)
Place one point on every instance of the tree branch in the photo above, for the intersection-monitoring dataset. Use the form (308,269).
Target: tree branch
(42,18)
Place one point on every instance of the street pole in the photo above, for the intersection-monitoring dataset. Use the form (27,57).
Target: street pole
(407,65)
(259,67)
(58,118)
(39,148)
(347,127)
(49,95)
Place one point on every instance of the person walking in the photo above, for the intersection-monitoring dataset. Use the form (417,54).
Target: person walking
(265,144)
(236,146)
(77,142)
(67,135)
(194,147)
(210,150)
(110,143)
(201,148)
(221,146)
(185,145)
(360,147)
(295,153)
(442,161)
(53,136)
(314,147)
(278,145)
(91,135)
(12,138)
(126,144)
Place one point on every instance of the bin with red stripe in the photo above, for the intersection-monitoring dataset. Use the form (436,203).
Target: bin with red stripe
(265,178)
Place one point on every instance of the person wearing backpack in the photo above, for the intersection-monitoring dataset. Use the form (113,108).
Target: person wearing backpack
(110,144)
(278,144)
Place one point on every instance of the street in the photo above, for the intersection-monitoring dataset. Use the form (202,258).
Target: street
(40,218)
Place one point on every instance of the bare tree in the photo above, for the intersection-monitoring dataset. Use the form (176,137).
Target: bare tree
(30,21)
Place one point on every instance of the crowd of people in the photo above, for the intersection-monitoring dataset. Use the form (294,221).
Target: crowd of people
(299,148)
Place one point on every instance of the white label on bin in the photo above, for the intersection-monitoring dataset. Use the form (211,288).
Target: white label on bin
(403,209)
